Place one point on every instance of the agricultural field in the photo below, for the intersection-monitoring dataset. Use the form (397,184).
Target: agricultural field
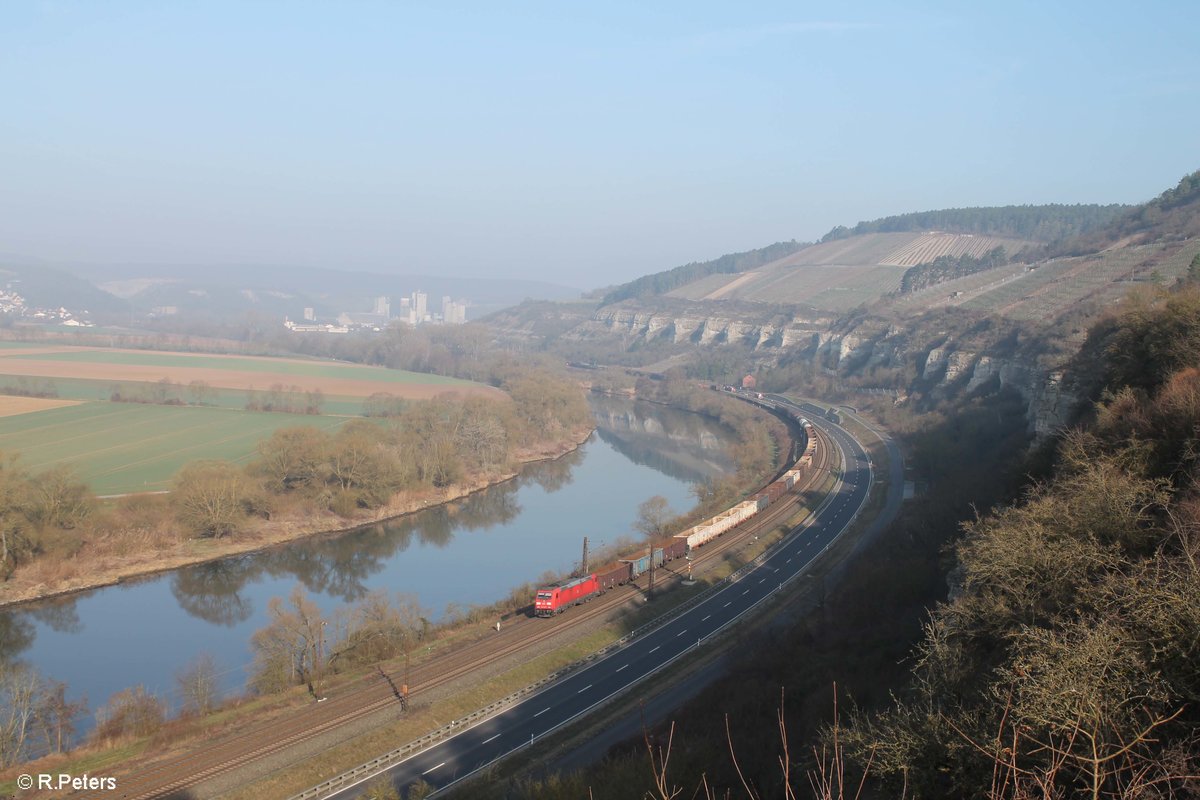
(120,448)
(188,406)
(225,372)
(12,406)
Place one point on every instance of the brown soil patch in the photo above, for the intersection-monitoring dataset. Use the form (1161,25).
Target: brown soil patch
(12,406)
(234,379)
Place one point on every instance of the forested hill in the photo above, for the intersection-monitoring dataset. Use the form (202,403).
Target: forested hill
(1044,223)
(663,282)
(1172,216)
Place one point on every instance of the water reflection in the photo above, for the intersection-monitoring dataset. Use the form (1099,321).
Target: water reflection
(470,551)
(340,565)
(685,446)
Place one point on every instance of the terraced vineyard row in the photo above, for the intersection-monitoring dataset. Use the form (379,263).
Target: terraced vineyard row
(930,246)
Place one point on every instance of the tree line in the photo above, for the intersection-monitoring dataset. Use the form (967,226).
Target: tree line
(1038,223)
(361,465)
(946,268)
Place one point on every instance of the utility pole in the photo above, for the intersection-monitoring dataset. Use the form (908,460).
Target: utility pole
(650,586)
(583,564)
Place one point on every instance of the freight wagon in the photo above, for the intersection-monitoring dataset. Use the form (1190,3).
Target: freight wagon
(641,563)
(616,574)
(553,599)
(676,548)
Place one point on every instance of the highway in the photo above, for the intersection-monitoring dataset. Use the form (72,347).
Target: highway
(540,715)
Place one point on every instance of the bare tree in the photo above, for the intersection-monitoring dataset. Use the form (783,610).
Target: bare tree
(210,497)
(291,647)
(293,458)
(58,498)
(382,788)
(654,516)
(200,393)
(130,712)
(14,499)
(198,685)
(19,687)
(56,715)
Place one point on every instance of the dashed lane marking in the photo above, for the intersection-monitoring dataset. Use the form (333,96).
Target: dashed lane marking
(543,711)
(431,769)
(494,738)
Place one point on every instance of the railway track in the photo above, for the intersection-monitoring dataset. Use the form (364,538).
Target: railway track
(171,777)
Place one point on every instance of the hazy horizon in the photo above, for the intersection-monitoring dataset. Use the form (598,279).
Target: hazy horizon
(577,146)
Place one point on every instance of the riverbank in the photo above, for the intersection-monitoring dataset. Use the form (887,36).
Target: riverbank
(31,583)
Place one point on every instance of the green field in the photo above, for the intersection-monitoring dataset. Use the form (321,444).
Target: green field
(125,447)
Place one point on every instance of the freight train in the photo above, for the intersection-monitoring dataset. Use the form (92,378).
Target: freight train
(557,597)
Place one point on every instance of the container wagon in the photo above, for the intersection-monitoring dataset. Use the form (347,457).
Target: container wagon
(641,563)
(554,599)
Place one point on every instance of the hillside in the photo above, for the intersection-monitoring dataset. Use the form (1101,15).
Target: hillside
(842,274)
(1170,217)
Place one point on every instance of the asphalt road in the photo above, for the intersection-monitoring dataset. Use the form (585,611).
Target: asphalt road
(540,715)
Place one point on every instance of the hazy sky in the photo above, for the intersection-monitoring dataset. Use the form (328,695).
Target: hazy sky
(583,144)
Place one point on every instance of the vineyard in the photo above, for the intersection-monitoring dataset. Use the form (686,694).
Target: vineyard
(842,274)
(929,246)
(1045,291)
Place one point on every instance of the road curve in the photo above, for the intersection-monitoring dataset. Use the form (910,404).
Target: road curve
(560,703)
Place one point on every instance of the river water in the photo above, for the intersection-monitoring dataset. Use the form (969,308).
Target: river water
(473,551)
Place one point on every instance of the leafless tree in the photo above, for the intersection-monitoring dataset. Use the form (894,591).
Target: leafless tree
(19,688)
(198,685)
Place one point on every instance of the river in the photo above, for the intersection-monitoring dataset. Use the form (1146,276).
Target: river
(472,551)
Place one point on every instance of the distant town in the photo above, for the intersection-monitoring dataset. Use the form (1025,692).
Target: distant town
(14,306)
(413,310)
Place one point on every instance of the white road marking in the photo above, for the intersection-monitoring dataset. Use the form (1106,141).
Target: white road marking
(681,633)
(584,689)
(706,618)
(621,667)
(494,738)
(431,769)
(727,605)
(746,592)
(656,647)
(543,711)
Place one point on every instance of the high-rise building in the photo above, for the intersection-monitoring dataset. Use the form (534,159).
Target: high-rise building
(407,313)
(310,313)
(383,307)
(420,301)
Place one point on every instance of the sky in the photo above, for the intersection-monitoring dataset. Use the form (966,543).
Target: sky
(583,144)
